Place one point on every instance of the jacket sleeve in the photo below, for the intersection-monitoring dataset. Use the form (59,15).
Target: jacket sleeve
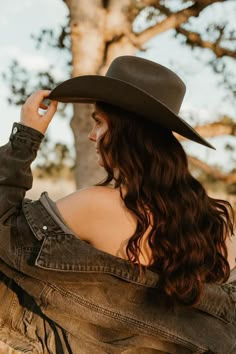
(15,171)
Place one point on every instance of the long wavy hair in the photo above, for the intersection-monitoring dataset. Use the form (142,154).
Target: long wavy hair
(188,228)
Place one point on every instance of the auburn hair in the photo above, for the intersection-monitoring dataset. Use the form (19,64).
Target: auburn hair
(188,228)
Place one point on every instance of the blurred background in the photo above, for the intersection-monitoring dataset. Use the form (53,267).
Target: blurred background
(45,42)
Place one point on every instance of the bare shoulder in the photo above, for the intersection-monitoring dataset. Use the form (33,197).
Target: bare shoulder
(93,211)
(91,197)
(231,246)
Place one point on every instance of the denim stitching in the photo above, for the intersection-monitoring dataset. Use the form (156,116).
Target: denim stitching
(125,319)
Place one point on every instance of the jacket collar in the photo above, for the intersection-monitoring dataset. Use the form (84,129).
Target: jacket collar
(62,250)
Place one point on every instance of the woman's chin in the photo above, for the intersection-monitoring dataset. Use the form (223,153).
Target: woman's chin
(100,161)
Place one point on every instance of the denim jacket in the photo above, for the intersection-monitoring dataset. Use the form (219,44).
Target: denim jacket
(58,294)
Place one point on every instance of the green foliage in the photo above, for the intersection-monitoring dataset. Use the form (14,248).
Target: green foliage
(59,40)
(23,82)
(231,188)
(54,160)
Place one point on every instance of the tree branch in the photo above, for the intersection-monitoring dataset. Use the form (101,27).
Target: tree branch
(194,39)
(137,6)
(212,171)
(217,129)
(223,127)
(174,20)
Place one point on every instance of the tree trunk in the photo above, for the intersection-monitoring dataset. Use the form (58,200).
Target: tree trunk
(97,36)
(87,170)
(100,31)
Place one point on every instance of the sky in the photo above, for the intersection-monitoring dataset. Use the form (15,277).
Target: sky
(18,20)
(205,97)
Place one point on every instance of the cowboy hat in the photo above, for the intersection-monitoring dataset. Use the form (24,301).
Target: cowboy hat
(137,85)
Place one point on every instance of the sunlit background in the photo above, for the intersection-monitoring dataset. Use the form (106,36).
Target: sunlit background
(206,98)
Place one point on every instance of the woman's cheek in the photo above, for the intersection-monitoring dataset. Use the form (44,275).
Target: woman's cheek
(100,133)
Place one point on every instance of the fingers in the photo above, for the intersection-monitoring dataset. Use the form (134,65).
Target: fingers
(51,110)
(37,97)
(34,101)
(30,115)
(43,106)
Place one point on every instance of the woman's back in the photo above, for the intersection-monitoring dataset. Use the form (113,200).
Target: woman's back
(136,111)
(98,215)
(157,214)
(109,224)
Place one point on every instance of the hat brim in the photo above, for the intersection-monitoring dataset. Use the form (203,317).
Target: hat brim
(92,88)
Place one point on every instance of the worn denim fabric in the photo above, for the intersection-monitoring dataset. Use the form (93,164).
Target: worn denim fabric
(59,294)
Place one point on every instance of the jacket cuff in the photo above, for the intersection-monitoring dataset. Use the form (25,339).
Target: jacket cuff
(22,134)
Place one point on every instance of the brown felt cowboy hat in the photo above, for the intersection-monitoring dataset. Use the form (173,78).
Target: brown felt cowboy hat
(137,85)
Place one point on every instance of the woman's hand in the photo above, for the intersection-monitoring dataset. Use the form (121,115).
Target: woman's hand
(30,115)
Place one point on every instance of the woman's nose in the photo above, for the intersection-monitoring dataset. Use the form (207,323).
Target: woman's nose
(92,136)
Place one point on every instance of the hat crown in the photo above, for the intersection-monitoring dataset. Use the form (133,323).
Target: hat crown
(137,85)
(156,80)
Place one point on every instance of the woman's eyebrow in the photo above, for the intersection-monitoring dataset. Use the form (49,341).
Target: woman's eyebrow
(94,115)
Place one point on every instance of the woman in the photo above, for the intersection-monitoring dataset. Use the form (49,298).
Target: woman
(125,268)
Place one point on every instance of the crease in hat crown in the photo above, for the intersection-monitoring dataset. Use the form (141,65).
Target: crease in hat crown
(156,79)
(138,85)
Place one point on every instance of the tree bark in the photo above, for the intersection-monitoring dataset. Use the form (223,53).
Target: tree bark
(97,36)
(87,46)
(212,171)
(172,21)
(214,129)
(195,40)
(102,30)
(87,170)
